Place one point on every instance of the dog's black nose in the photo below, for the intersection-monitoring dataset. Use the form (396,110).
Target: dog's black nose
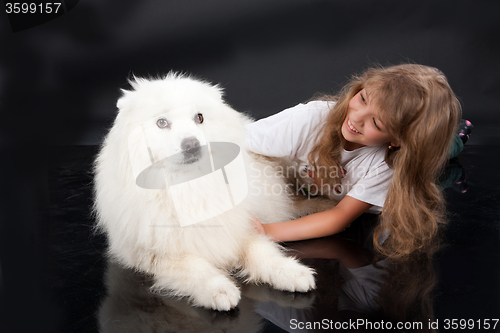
(190,143)
(191,149)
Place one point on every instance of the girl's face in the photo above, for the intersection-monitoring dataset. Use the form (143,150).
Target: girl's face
(362,126)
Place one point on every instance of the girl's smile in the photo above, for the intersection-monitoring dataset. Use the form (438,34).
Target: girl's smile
(351,128)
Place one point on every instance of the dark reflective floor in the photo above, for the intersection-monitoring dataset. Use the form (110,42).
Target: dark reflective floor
(457,288)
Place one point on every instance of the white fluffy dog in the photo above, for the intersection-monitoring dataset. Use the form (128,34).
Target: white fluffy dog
(150,179)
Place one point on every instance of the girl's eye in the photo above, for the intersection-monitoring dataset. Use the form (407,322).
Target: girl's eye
(363,98)
(162,123)
(375,123)
(198,118)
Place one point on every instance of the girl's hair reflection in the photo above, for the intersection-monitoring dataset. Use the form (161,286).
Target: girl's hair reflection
(368,286)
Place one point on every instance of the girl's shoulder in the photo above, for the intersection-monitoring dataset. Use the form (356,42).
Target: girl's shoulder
(289,132)
(313,112)
(313,106)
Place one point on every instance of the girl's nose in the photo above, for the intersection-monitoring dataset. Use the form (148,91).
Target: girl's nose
(357,122)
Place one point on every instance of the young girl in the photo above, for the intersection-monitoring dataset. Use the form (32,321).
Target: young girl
(378,146)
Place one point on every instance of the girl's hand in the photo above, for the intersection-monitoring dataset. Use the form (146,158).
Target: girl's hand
(258,226)
(317,225)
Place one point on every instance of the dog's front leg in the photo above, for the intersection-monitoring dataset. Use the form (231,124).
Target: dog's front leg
(265,263)
(195,277)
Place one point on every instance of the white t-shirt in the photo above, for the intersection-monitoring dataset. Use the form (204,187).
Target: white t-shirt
(292,133)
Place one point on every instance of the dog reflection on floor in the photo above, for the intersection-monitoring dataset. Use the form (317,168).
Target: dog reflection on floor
(131,307)
(350,286)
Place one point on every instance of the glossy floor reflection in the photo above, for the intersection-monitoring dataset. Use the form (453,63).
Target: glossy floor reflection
(460,281)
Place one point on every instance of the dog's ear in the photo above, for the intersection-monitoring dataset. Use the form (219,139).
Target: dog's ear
(123,101)
(217,90)
(127,95)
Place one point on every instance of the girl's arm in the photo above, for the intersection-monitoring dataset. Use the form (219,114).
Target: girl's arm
(320,224)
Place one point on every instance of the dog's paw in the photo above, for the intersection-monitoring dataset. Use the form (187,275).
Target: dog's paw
(219,294)
(293,276)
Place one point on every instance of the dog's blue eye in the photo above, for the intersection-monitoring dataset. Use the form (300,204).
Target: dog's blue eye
(162,123)
(198,118)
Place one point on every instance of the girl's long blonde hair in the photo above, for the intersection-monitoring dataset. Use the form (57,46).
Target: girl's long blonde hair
(419,109)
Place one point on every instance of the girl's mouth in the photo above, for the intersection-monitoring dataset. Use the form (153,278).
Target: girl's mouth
(351,128)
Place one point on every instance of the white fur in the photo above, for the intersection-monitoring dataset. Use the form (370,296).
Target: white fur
(143,229)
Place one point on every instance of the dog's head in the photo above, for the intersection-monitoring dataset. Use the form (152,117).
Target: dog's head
(171,113)
(176,133)
(169,123)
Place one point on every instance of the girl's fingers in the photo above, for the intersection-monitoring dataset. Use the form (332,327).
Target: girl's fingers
(257,225)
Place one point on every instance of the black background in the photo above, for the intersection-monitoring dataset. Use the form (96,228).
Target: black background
(59,82)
